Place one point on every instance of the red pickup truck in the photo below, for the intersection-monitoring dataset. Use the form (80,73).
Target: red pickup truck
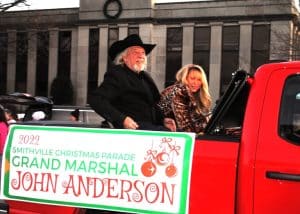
(248,159)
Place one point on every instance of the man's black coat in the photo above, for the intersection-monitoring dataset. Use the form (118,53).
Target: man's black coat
(126,93)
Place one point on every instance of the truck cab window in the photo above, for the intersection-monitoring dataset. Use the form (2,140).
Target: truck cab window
(289,121)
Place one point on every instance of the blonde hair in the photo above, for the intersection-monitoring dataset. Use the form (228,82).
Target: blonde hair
(203,97)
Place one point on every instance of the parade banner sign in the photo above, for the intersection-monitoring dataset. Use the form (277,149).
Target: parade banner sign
(108,169)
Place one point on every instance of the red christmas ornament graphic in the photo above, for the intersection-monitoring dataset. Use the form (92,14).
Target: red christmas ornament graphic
(163,155)
(148,168)
(171,170)
(162,158)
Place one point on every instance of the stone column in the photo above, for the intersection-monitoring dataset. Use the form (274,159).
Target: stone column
(146,36)
(245,45)
(123,31)
(31,61)
(215,60)
(187,43)
(74,43)
(281,38)
(53,56)
(11,61)
(159,56)
(103,52)
(82,65)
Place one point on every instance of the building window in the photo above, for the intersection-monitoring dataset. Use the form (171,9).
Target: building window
(230,55)
(297,46)
(93,60)
(133,30)
(174,54)
(42,62)
(61,88)
(260,46)
(3,62)
(113,36)
(202,48)
(64,54)
(21,62)
(289,122)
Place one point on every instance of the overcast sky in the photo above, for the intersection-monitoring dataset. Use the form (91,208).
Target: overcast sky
(47,4)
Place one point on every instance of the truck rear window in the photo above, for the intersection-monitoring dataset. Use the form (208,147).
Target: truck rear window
(289,121)
(228,115)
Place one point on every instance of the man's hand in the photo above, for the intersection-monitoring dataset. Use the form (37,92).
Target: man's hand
(129,123)
(170,124)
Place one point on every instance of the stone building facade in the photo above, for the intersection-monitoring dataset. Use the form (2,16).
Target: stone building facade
(39,46)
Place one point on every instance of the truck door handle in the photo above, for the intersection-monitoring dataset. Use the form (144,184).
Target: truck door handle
(283,176)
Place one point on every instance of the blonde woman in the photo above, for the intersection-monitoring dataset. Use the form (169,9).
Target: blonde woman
(188,101)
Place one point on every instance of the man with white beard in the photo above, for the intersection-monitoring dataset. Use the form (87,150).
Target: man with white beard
(128,96)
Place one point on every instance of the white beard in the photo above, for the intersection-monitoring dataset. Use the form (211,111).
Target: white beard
(140,67)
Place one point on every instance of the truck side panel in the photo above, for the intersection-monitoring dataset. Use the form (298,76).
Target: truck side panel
(20,207)
(251,126)
(213,177)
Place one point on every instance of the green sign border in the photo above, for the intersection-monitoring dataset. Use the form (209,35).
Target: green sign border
(187,164)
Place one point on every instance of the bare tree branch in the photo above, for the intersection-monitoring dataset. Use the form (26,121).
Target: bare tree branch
(5,6)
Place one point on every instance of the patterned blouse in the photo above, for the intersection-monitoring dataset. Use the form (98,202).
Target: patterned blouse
(177,102)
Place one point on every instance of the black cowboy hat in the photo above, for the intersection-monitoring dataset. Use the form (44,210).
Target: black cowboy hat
(132,40)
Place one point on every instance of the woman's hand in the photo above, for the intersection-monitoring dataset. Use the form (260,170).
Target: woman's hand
(170,124)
